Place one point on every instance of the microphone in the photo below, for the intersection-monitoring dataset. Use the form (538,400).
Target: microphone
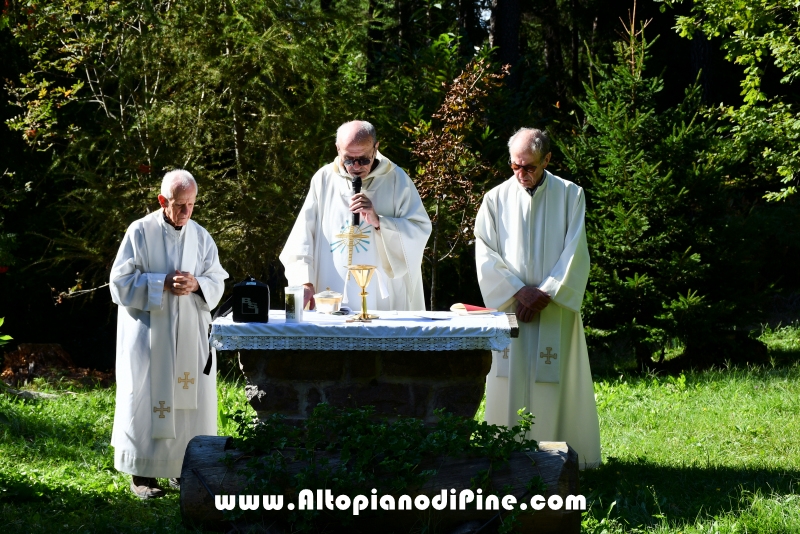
(356,190)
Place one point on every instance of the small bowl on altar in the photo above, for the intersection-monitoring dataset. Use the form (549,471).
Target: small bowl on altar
(328,301)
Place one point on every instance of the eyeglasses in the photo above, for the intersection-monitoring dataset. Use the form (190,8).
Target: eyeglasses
(529,169)
(362,161)
(349,162)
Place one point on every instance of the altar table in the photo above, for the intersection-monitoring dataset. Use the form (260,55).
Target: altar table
(403,363)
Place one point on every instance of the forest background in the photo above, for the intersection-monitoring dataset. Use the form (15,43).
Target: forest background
(678,118)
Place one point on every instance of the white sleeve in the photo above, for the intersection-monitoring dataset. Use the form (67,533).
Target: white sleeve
(210,275)
(566,283)
(130,285)
(297,255)
(497,283)
(403,235)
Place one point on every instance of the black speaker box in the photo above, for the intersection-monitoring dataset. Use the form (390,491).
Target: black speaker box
(250,301)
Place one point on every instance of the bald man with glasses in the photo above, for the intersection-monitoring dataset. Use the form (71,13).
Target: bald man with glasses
(532,259)
(360,209)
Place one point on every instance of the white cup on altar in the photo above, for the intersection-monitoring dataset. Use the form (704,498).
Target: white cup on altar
(294,304)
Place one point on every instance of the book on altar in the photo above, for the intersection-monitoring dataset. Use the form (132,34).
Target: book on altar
(469,309)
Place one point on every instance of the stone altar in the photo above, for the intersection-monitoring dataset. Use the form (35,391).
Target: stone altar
(403,363)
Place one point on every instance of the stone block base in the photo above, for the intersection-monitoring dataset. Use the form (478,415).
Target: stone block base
(396,383)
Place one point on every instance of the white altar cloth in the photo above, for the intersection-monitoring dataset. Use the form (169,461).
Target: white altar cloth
(391,331)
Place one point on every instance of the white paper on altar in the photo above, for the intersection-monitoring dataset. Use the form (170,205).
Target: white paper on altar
(391,331)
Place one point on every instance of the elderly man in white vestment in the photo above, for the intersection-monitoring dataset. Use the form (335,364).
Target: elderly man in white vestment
(532,259)
(392,231)
(166,278)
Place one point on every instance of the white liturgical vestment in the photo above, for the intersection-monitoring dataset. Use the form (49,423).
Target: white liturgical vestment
(318,248)
(540,240)
(163,398)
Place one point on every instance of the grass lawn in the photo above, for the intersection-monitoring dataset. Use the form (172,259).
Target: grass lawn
(57,466)
(717,451)
(711,452)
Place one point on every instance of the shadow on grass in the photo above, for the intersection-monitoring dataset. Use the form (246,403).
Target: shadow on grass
(777,348)
(644,492)
(18,489)
(30,506)
(781,363)
(785,358)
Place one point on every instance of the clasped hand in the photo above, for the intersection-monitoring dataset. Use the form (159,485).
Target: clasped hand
(530,301)
(181,283)
(362,205)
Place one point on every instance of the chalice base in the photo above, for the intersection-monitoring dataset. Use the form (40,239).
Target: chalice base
(362,318)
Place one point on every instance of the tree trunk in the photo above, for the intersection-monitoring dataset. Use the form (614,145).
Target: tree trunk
(701,51)
(238,133)
(400,24)
(374,45)
(575,52)
(434,258)
(504,27)
(204,475)
(553,55)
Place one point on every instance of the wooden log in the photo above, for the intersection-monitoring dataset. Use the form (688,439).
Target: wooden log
(204,475)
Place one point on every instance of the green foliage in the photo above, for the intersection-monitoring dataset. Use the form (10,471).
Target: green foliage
(4,339)
(245,94)
(8,241)
(231,399)
(414,82)
(7,245)
(373,453)
(653,184)
(766,128)
(415,48)
(450,169)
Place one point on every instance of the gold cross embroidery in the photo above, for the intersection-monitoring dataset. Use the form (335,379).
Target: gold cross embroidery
(186,380)
(162,409)
(505,353)
(352,235)
(548,355)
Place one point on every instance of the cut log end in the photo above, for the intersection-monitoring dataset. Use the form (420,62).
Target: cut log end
(205,475)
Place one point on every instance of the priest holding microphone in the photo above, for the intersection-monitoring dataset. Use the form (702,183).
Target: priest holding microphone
(360,209)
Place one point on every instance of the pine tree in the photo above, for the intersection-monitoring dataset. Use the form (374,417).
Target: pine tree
(653,199)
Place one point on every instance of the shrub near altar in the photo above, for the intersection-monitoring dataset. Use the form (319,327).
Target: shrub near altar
(372,454)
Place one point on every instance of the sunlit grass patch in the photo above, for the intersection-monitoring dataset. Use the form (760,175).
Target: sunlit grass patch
(231,398)
(717,447)
(753,513)
(783,341)
(481,413)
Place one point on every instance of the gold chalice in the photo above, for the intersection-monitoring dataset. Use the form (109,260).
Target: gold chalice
(362,274)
